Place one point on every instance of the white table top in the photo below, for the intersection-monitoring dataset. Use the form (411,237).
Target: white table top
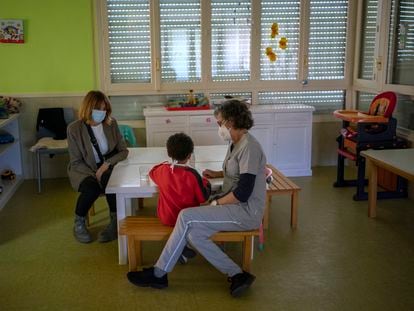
(401,160)
(125,177)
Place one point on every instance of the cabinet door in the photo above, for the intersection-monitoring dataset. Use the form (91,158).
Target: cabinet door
(158,138)
(204,130)
(160,128)
(264,133)
(292,149)
(206,136)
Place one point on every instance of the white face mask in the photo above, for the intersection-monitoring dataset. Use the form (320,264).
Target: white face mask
(224,133)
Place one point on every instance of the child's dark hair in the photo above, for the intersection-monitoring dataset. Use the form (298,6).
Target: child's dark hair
(179,146)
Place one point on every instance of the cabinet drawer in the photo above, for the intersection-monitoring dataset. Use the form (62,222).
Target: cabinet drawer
(167,121)
(297,116)
(263,118)
(206,120)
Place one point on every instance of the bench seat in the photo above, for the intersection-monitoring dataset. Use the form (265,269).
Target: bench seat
(145,228)
(281,185)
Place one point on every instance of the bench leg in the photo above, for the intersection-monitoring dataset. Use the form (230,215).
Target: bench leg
(294,209)
(247,253)
(132,257)
(140,203)
(266,211)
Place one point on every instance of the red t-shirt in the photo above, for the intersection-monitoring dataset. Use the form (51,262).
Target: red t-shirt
(179,188)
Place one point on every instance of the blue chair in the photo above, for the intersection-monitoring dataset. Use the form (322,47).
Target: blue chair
(128,134)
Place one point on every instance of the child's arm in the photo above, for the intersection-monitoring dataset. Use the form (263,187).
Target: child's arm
(203,190)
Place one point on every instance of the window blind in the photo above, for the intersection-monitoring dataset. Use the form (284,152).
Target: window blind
(367,51)
(323,101)
(129,41)
(327,39)
(230,40)
(180,24)
(286,15)
(401,43)
(364,100)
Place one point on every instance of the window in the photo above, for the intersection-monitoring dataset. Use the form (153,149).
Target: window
(327,39)
(386,55)
(158,47)
(230,40)
(401,43)
(323,101)
(367,51)
(180,24)
(404,110)
(286,15)
(129,41)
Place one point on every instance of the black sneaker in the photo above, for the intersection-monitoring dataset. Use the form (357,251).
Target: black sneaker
(187,253)
(146,278)
(240,282)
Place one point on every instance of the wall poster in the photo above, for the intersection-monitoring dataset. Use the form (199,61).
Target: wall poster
(11,31)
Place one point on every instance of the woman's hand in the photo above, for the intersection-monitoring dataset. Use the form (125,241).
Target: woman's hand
(102,169)
(212,174)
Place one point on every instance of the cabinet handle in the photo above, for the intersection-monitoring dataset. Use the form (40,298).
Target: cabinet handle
(167,121)
(208,120)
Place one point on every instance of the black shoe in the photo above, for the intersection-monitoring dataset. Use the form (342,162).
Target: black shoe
(187,253)
(240,282)
(146,278)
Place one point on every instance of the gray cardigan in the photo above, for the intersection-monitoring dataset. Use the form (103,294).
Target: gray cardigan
(82,160)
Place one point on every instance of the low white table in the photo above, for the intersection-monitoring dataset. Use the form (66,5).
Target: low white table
(126,184)
(397,161)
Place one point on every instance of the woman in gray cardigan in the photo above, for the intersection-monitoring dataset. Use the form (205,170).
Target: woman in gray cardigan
(95,146)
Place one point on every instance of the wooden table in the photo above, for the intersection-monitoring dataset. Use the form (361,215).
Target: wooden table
(126,183)
(398,161)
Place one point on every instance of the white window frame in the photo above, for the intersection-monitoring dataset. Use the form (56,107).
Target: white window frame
(379,83)
(254,85)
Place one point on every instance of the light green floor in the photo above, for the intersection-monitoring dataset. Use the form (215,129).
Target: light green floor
(337,259)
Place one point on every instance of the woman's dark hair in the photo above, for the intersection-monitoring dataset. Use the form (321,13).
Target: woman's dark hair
(179,146)
(237,113)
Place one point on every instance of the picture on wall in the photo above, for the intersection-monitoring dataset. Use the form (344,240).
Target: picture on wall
(11,31)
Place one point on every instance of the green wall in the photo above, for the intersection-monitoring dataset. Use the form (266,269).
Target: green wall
(58,53)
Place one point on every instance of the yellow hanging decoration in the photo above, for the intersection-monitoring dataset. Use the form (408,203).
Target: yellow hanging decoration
(275,30)
(270,54)
(283,43)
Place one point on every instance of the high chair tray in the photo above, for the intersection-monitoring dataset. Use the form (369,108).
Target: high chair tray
(357,116)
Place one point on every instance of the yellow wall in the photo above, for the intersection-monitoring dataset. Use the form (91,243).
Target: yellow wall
(58,54)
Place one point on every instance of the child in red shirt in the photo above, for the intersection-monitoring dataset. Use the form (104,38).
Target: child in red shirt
(180,185)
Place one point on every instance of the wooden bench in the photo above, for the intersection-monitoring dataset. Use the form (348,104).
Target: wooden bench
(144,228)
(281,185)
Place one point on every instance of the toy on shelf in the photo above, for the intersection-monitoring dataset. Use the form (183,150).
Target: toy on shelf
(375,129)
(190,102)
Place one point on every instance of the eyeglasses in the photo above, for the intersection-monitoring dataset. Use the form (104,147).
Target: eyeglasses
(221,122)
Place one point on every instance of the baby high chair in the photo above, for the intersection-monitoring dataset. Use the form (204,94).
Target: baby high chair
(375,129)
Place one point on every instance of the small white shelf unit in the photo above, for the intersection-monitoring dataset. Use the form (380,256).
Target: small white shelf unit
(10,158)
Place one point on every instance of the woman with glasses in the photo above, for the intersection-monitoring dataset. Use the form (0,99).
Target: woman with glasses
(238,207)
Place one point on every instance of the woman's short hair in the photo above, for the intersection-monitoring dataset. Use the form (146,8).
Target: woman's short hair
(94,100)
(179,146)
(237,113)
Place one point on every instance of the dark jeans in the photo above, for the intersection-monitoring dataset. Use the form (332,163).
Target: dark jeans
(90,189)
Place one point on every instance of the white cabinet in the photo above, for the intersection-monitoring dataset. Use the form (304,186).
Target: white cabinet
(263,131)
(160,128)
(292,143)
(204,130)
(284,131)
(10,158)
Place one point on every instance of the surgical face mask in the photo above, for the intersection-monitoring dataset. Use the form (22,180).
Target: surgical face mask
(98,115)
(224,133)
